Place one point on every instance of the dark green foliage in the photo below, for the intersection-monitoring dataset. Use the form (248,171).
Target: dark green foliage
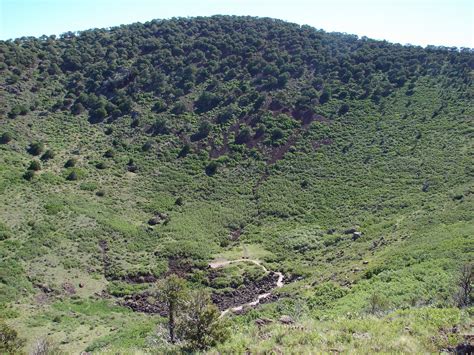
(184,151)
(49,154)
(36,148)
(211,168)
(70,163)
(73,176)
(172,291)
(203,131)
(147,146)
(277,134)
(199,325)
(6,138)
(207,101)
(245,134)
(110,153)
(160,126)
(18,110)
(29,175)
(344,109)
(34,165)
(159,106)
(179,108)
(228,114)
(101,165)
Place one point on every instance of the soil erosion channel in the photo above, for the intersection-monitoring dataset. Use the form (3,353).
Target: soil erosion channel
(279,283)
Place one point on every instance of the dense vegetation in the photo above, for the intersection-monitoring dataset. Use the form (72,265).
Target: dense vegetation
(136,152)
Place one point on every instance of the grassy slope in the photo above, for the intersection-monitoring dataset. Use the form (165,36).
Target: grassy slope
(371,175)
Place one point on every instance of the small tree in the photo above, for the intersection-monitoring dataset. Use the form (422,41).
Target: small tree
(463,296)
(200,325)
(377,303)
(172,291)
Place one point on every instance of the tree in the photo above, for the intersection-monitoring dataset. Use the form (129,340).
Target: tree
(200,325)
(29,175)
(172,291)
(463,296)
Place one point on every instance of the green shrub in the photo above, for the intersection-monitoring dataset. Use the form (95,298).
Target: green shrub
(35,165)
(6,138)
(70,163)
(29,175)
(36,148)
(49,154)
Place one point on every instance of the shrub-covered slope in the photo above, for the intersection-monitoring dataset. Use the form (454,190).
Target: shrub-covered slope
(130,153)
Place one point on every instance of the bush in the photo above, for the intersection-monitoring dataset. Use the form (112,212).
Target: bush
(109,153)
(35,165)
(70,163)
(147,146)
(29,175)
(36,148)
(49,154)
(160,127)
(203,131)
(277,134)
(72,176)
(9,341)
(184,151)
(211,168)
(101,165)
(244,136)
(6,138)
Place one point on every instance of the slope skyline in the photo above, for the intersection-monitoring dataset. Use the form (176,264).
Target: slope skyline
(442,23)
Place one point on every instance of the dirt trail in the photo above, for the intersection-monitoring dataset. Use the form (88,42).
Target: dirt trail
(221,263)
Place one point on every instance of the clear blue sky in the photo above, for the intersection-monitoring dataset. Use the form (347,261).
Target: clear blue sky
(421,22)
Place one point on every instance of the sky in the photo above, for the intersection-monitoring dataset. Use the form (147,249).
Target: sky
(418,22)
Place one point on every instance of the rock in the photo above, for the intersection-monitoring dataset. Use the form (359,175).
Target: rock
(262,321)
(81,285)
(350,231)
(365,262)
(286,320)
(356,235)
(158,218)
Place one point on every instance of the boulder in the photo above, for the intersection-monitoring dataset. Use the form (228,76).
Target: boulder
(356,235)
(286,320)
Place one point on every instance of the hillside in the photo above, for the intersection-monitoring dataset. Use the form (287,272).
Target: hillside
(130,153)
